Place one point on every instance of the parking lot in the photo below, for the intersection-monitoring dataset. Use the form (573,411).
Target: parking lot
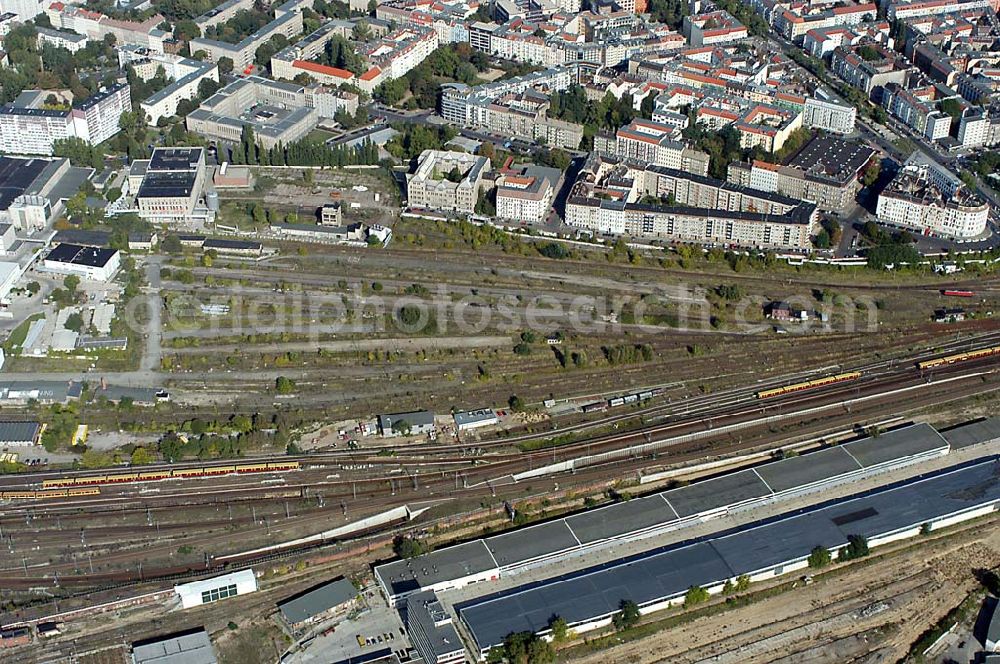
(376,629)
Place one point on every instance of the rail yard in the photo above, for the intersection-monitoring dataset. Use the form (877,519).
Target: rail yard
(279,427)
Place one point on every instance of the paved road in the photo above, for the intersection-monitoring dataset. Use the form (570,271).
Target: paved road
(153,352)
(348,345)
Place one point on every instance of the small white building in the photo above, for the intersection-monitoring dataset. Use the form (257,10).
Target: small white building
(211,590)
(96,263)
(474,419)
(9,274)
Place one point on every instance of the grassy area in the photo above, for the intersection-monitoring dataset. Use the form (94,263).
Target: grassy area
(16,339)
(253,644)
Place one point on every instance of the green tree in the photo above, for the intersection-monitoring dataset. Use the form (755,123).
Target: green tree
(71,283)
(694,596)
(819,557)
(559,629)
(515,402)
(74,322)
(33,287)
(408,547)
(284,385)
(857,547)
(627,617)
(171,244)
(225,65)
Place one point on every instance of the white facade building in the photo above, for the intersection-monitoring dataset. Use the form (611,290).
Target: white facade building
(218,588)
(828,116)
(916,200)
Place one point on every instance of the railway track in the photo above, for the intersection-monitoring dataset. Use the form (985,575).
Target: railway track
(384,497)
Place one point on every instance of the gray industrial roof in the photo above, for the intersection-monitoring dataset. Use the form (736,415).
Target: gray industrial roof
(669,572)
(417,418)
(635,516)
(620,519)
(16,432)
(527,543)
(814,467)
(317,600)
(187,648)
(716,493)
(454,562)
(973,433)
(895,444)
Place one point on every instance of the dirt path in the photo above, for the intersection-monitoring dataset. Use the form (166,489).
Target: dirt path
(873,612)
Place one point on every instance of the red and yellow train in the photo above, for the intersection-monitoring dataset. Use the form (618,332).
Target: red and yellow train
(808,385)
(173,473)
(50,493)
(959,357)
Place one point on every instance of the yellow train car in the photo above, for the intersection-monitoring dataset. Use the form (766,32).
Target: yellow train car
(84,491)
(251,468)
(283,465)
(219,470)
(52,484)
(153,475)
(808,385)
(188,472)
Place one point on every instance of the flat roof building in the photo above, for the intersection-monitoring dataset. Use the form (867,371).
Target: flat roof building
(95,263)
(171,186)
(330,597)
(190,647)
(217,588)
(19,434)
(473,419)
(276,111)
(485,559)
(413,423)
(660,578)
(430,628)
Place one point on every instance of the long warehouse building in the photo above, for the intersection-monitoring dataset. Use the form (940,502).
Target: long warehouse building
(487,559)
(660,578)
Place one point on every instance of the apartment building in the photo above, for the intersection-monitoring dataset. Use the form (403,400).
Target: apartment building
(795,21)
(975,129)
(433,185)
(221,13)
(24,9)
(32,130)
(526,196)
(711,28)
(869,67)
(829,116)
(70,41)
(705,192)
(185,75)
(824,171)
(916,109)
(244,52)
(97,118)
(915,200)
(611,197)
(28,128)
(653,143)
(920,8)
(95,26)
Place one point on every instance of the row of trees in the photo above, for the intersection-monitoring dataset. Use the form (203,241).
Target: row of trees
(302,153)
(449,63)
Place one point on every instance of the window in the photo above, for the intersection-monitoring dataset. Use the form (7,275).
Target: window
(215,594)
